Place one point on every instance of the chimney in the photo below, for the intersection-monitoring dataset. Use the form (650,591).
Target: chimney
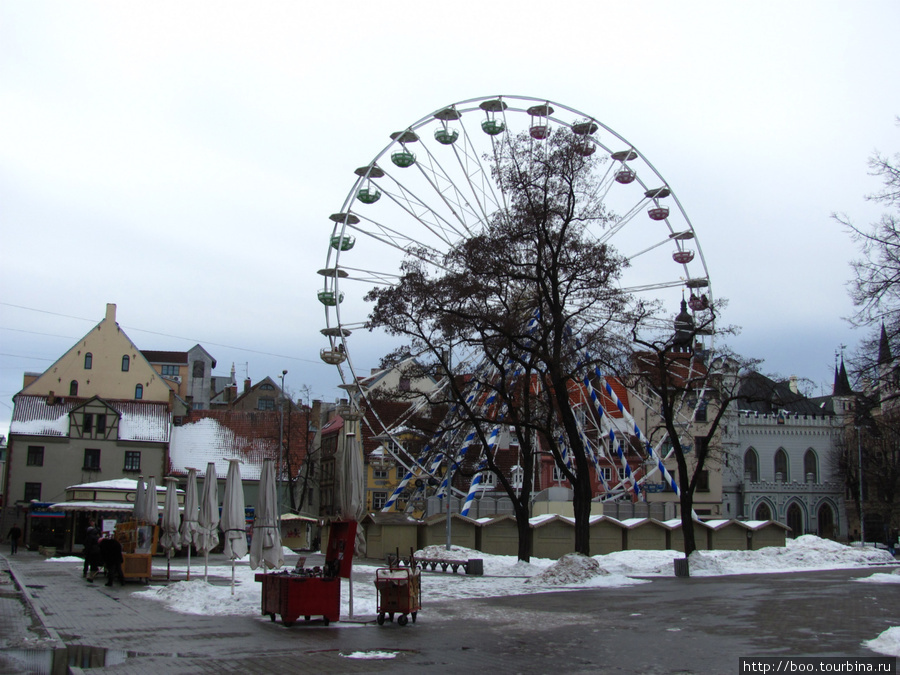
(794,387)
(51,398)
(246,385)
(111,312)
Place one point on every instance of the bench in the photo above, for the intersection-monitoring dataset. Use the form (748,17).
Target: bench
(472,566)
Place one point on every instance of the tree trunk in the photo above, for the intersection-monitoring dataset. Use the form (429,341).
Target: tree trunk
(687,522)
(581,504)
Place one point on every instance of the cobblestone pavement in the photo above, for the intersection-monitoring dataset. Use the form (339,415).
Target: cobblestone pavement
(671,625)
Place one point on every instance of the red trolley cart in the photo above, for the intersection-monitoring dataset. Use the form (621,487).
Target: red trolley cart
(399,592)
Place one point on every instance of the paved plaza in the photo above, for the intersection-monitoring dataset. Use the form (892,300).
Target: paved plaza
(671,625)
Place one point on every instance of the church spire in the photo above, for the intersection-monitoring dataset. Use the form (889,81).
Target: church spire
(884,347)
(841,381)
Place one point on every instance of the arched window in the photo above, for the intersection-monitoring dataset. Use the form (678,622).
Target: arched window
(811,466)
(139,391)
(73,388)
(795,520)
(826,522)
(751,466)
(781,466)
(126,363)
(88,361)
(763,512)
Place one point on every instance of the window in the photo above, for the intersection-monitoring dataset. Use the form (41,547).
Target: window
(87,425)
(169,370)
(379,474)
(139,392)
(266,387)
(126,363)
(101,424)
(35,456)
(88,361)
(405,384)
(378,500)
(751,467)
(781,466)
(621,472)
(132,460)
(199,369)
(700,413)
(606,472)
(810,466)
(91,459)
(488,480)
(763,512)
(265,403)
(517,475)
(73,388)
(703,481)
(32,492)
(558,475)
(401,472)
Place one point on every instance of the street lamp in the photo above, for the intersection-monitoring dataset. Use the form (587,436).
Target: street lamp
(862,520)
(281,444)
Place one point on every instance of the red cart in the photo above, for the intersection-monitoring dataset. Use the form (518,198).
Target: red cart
(311,592)
(399,592)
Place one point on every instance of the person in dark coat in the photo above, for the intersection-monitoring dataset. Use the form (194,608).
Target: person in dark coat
(111,552)
(91,552)
(14,535)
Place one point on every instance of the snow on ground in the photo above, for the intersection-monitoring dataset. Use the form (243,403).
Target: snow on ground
(888,643)
(506,575)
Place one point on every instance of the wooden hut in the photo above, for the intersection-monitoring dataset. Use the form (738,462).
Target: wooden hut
(728,535)
(607,535)
(390,533)
(763,533)
(644,534)
(463,531)
(675,535)
(552,536)
(499,535)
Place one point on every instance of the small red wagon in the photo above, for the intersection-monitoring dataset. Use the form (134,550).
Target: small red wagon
(399,592)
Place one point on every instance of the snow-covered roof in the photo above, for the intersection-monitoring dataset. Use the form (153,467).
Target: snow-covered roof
(126,484)
(208,439)
(138,420)
(93,506)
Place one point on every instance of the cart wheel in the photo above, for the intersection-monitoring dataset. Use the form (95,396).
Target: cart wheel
(272,617)
(286,622)
(380,619)
(414,616)
(401,620)
(325,620)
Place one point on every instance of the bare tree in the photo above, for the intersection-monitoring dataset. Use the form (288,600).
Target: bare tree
(518,294)
(875,287)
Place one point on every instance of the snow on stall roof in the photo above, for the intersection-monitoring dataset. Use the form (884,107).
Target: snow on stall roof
(92,506)
(126,484)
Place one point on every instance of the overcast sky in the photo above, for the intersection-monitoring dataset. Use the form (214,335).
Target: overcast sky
(180,159)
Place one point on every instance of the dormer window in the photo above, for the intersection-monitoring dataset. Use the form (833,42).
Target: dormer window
(88,361)
(126,363)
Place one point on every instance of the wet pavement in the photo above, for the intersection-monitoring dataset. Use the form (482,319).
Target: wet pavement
(49,615)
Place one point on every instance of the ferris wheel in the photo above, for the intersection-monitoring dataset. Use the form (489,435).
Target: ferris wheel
(431,187)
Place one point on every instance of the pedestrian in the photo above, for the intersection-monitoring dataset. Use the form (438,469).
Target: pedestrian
(91,552)
(14,535)
(111,552)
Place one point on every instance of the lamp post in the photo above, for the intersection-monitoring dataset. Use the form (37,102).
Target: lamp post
(862,520)
(281,445)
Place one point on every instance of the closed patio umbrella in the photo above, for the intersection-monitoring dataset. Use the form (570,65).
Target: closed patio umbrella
(350,495)
(139,500)
(190,528)
(234,520)
(151,502)
(209,515)
(265,547)
(170,538)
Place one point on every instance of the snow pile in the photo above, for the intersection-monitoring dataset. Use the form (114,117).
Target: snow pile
(573,568)
(494,565)
(888,643)
(882,578)
(807,552)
